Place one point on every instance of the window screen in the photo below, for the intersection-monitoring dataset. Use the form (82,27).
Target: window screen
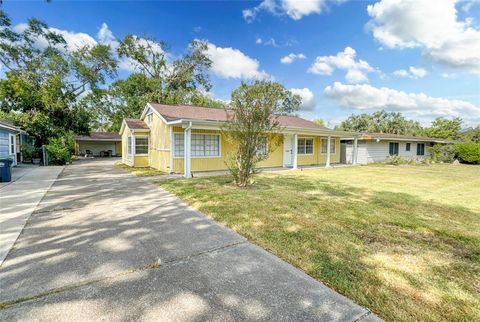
(203,145)
(262,149)
(332,145)
(129,147)
(141,145)
(420,149)
(178,145)
(305,146)
(393,148)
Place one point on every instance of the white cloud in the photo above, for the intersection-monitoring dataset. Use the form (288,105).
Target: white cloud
(232,63)
(74,40)
(448,75)
(297,9)
(308,99)
(268,42)
(412,72)
(290,58)
(417,105)
(428,24)
(106,37)
(294,9)
(356,69)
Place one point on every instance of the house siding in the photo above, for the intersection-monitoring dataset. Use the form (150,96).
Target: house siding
(161,147)
(159,150)
(318,157)
(275,158)
(372,151)
(5,144)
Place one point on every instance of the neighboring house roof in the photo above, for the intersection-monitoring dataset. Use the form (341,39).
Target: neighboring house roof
(388,136)
(9,126)
(99,136)
(178,112)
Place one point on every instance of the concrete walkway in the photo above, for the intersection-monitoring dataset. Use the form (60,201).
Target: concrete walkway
(104,245)
(18,200)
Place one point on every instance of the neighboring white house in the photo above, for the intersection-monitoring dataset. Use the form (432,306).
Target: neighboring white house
(377,147)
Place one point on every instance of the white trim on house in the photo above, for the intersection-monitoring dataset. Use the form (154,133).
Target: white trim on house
(12,145)
(313,145)
(334,145)
(199,156)
(135,145)
(172,145)
(295,151)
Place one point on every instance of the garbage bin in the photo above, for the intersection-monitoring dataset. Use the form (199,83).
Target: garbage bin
(5,169)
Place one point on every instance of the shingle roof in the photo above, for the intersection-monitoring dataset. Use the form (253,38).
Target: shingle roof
(374,136)
(99,136)
(9,125)
(176,112)
(136,124)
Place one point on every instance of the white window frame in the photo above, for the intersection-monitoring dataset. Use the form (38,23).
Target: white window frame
(130,146)
(12,144)
(135,145)
(191,140)
(149,117)
(332,146)
(313,145)
(266,146)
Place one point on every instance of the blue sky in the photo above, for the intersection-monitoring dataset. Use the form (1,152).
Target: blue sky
(418,57)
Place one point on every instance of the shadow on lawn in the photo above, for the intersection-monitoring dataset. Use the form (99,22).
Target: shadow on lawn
(97,222)
(402,256)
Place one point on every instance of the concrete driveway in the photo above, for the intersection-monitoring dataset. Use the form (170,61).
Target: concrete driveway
(19,198)
(104,245)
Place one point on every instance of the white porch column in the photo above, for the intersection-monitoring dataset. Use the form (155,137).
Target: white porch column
(295,150)
(327,164)
(355,150)
(187,154)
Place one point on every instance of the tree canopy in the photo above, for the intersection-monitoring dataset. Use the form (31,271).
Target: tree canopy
(157,78)
(252,120)
(45,80)
(381,122)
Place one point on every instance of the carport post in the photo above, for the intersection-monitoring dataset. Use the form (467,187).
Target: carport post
(187,154)
(327,164)
(355,150)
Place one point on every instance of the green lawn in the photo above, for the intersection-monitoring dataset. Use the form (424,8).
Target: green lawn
(403,241)
(139,172)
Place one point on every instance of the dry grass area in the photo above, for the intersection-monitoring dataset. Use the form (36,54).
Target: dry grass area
(403,241)
(139,172)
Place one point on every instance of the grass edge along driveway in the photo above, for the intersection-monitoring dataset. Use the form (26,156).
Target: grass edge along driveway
(403,241)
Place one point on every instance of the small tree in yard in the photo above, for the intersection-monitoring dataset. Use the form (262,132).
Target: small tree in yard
(253,116)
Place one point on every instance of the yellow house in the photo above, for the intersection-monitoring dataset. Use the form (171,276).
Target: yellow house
(188,139)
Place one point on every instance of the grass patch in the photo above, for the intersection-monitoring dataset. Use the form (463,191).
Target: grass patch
(403,241)
(139,172)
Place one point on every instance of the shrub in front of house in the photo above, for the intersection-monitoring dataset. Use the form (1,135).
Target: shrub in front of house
(442,153)
(468,152)
(58,152)
(394,160)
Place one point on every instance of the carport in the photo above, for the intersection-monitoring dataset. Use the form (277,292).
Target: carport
(99,144)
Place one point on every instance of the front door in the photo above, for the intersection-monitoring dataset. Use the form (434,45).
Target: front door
(288,150)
